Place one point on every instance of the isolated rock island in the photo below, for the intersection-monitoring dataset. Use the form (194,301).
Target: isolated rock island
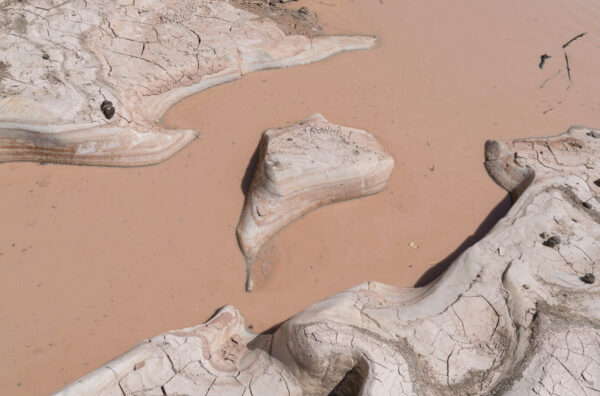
(302,167)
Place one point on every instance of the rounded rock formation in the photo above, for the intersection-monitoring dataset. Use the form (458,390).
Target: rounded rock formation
(305,166)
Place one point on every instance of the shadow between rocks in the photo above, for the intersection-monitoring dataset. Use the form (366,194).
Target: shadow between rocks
(488,223)
(249,174)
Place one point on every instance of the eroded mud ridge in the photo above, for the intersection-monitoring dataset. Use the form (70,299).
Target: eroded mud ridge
(85,82)
(515,314)
(302,167)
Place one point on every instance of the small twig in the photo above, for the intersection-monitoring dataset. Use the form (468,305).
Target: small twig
(547,110)
(549,79)
(573,39)
(568,67)
(543,60)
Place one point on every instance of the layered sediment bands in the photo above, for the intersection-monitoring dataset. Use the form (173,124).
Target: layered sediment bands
(513,315)
(302,167)
(85,82)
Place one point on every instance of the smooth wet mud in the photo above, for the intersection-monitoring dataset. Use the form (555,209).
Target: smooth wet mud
(92,260)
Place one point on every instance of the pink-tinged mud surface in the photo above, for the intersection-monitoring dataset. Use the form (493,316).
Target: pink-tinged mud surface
(92,260)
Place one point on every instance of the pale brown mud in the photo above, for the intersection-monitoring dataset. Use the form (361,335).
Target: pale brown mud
(95,259)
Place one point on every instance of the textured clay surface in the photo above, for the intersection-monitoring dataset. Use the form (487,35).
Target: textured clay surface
(302,167)
(85,82)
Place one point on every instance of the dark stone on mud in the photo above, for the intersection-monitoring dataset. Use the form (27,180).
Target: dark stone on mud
(552,241)
(587,205)
(46,56)
(588,278)
(107,109)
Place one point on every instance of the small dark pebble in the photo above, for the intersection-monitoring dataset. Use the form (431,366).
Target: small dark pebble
(108,109)
(594,134)
(552,241)
(588,278)
(526,287)
(46,56)
(543,235)
(587,205)
(597,182)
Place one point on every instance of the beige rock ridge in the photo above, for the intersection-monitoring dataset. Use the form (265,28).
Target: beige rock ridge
(302,167)
(515,314)
(86,81)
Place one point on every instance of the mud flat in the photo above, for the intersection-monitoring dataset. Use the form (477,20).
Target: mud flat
(99,258)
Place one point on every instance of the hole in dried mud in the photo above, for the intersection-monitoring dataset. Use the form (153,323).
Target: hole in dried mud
(352,382)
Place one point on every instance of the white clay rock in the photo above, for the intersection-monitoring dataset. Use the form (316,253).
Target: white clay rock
(513,315)
(86,81)
(302,167)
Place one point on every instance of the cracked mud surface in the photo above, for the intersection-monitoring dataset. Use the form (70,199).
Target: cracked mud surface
(511,316)
(60,60)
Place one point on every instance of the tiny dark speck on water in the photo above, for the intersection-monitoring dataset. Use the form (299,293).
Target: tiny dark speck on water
(543,59)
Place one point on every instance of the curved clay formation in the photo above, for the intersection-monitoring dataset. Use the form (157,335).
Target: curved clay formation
(85,81)
(302,167)
(515,314)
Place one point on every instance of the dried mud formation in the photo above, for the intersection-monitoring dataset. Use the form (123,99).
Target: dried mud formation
(85,81)
(515,314)
(302,167)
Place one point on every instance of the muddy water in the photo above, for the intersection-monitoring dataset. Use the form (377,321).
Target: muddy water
(95,259)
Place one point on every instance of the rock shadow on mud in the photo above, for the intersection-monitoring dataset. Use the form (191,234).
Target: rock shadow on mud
(496,214)
(249,173)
